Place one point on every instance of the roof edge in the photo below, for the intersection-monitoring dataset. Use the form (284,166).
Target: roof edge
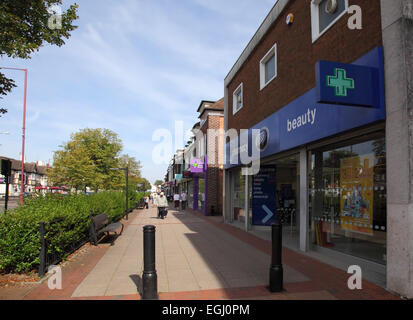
(272,16)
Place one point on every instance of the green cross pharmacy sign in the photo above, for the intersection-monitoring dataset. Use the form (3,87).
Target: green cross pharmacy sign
(340,82)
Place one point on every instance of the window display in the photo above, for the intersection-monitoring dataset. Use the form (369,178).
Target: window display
(238,198)
(348,198)
(201,194)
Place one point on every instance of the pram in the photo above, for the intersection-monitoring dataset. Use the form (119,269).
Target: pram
(162,212)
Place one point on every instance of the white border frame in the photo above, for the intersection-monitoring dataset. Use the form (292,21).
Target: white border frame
(315,26)
(263,61)
(234,100)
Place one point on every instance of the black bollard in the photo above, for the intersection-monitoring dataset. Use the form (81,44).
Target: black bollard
(276,269)
(149,277)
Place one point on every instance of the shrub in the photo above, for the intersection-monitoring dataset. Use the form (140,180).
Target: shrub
(19,228)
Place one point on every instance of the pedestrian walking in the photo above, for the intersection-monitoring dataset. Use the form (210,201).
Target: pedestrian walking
(183,200)
(146,199)
(176,200)
(162,205)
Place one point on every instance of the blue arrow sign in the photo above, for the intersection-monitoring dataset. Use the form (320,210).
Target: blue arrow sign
(264,196)
(269,214)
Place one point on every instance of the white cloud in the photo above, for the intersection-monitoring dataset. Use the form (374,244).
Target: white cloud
(132,66)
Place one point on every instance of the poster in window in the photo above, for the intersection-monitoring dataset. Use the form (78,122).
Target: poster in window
(356,204)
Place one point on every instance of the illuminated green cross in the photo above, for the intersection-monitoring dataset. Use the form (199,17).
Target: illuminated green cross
(340,82)
(195,164)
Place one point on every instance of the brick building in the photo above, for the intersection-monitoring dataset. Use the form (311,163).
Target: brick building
(212,123)
(204,187)
(321,105)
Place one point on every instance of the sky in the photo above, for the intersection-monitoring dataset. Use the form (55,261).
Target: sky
(131,66)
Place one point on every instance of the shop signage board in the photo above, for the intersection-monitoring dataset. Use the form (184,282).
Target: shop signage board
(197,166)
(178,177)
(347,84)
(341,101)
(264,201)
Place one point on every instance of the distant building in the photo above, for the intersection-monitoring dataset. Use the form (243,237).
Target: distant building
(203,187)
(35,177)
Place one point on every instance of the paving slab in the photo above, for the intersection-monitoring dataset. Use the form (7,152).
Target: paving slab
(191,255)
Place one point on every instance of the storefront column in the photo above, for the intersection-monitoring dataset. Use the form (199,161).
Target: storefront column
(304,226)
(247,202)
(397,25)
(226,196)
(196,191)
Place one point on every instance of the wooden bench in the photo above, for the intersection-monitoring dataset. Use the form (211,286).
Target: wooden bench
(99,225)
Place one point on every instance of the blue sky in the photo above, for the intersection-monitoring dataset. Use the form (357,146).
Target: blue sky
(132,66)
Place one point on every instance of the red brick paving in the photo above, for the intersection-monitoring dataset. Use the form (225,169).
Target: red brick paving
(73,273)
(323,277)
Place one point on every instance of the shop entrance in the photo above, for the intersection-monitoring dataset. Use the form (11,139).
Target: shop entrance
(286,190)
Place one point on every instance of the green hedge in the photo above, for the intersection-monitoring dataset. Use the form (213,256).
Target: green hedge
(19,228)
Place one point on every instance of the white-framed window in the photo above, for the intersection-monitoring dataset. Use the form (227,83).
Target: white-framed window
(324,14)
(237,99)
(268,67)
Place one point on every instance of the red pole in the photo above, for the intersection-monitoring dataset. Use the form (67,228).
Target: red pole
(24,129)
(23,136)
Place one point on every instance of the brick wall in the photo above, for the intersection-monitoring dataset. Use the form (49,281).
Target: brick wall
(214,172)
(297,56)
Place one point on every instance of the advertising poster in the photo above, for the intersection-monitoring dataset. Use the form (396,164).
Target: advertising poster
(264,201)
(356,204)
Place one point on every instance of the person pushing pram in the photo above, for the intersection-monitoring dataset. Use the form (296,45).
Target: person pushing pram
(162,205)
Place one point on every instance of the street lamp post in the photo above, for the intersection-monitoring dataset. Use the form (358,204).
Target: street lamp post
(24,129)
(127,192)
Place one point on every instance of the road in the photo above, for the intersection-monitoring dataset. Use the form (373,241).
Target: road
(13,203)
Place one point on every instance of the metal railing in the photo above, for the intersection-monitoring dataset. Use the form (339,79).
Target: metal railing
(49,255)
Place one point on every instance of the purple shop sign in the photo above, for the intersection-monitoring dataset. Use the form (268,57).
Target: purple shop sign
(197,166)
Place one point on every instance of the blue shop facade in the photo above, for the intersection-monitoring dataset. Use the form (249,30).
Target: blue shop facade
(322,161)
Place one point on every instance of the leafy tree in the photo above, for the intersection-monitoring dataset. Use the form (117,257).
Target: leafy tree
(87,160)
(158,182)
(133,165)
(144,184)
(24,28)
(134,169)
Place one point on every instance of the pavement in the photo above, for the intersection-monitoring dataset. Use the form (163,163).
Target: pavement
(198,257)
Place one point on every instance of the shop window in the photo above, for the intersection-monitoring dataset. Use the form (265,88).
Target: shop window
(348,199)
(268,67)
(238,195)
(201,194)
(324,14)
(237,99)
(190,194)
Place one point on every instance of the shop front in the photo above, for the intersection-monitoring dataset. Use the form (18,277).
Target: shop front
(322,166)
(197,199)
(347,197)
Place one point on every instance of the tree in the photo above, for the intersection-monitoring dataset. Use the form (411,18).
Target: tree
(87,160)
(158,182)
(143,184)
(133,165)
(24,28)
(134,169)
